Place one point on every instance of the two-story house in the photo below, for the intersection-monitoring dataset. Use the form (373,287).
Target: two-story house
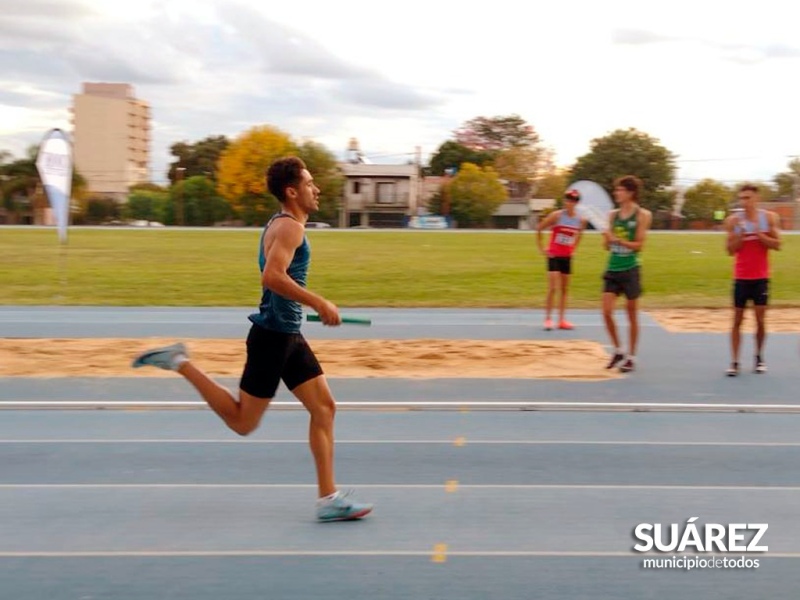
(378,195)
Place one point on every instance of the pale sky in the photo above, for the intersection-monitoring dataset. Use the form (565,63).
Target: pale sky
(716,83)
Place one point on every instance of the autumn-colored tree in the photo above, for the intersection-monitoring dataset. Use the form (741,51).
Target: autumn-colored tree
(241,174)
(474,195)
(520,167)
(552,185)
(513,147)
(497,133)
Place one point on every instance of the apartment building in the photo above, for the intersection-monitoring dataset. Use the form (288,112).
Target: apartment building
(111,138)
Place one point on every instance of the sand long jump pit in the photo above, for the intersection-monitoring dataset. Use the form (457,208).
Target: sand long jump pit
(421,358)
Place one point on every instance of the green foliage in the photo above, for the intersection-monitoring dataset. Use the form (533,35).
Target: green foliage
(196,202)
(328,177)
(787,184)
(146,187)
(451,155)
(630,152)
(145,205)
(100,210)
(475,193)
(199,158)
(702,199)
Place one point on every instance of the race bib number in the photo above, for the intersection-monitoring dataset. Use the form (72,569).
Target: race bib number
(565,239)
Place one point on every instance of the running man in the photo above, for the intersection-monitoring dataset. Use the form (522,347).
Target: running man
(752,233)
(567,226)
(276,350)
(628,226)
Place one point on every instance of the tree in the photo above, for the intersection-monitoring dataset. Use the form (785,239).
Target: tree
(520,167)
(148,205)
(787,184)
(328,177)
(241,174)
(20,178)
(196,200)
(451,155)
(474,194)
(552,185)
(766,192)
(200,158)
(497,133)
(146,187)
(702,199)
(630,152)
(512,145)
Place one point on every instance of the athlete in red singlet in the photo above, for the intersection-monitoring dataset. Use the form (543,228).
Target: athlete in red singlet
(567,226)
(752,233)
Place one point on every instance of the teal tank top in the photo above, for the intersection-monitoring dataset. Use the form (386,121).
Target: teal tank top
(275,312)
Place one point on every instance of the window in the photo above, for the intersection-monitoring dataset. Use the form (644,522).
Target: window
(385,193)
(356,187)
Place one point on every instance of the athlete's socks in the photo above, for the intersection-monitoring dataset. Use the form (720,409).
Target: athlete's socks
(328,498)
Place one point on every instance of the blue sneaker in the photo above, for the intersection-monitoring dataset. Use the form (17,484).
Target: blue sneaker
(340,508)
(168,357)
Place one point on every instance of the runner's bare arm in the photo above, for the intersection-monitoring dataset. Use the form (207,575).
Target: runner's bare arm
(608,234)
(734,238)
(771,239)
(544,224)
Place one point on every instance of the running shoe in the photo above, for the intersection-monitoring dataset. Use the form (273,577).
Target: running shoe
(548,324)
(627,366)
(168,357)
(761,366)
(341,508)
(615,360)
(733,370)
(566,325)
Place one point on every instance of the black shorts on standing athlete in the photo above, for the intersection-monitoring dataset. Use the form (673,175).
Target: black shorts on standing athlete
(562,264)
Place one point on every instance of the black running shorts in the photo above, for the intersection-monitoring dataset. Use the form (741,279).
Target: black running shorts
(756,290)
(623,282)
(273,356)
(562,264)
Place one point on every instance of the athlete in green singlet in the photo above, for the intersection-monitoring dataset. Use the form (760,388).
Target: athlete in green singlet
(628,226)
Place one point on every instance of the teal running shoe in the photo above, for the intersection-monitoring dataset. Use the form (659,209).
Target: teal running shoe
(341,508)
(168,357)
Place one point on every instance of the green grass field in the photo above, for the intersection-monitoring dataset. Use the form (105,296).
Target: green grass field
(163,267)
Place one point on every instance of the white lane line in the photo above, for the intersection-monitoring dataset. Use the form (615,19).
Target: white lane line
(347,553)
(390,405)
(403,486)
(447,442)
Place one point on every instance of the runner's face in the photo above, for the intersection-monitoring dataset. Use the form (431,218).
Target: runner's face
(307,193)
(622,194)
(748,199)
